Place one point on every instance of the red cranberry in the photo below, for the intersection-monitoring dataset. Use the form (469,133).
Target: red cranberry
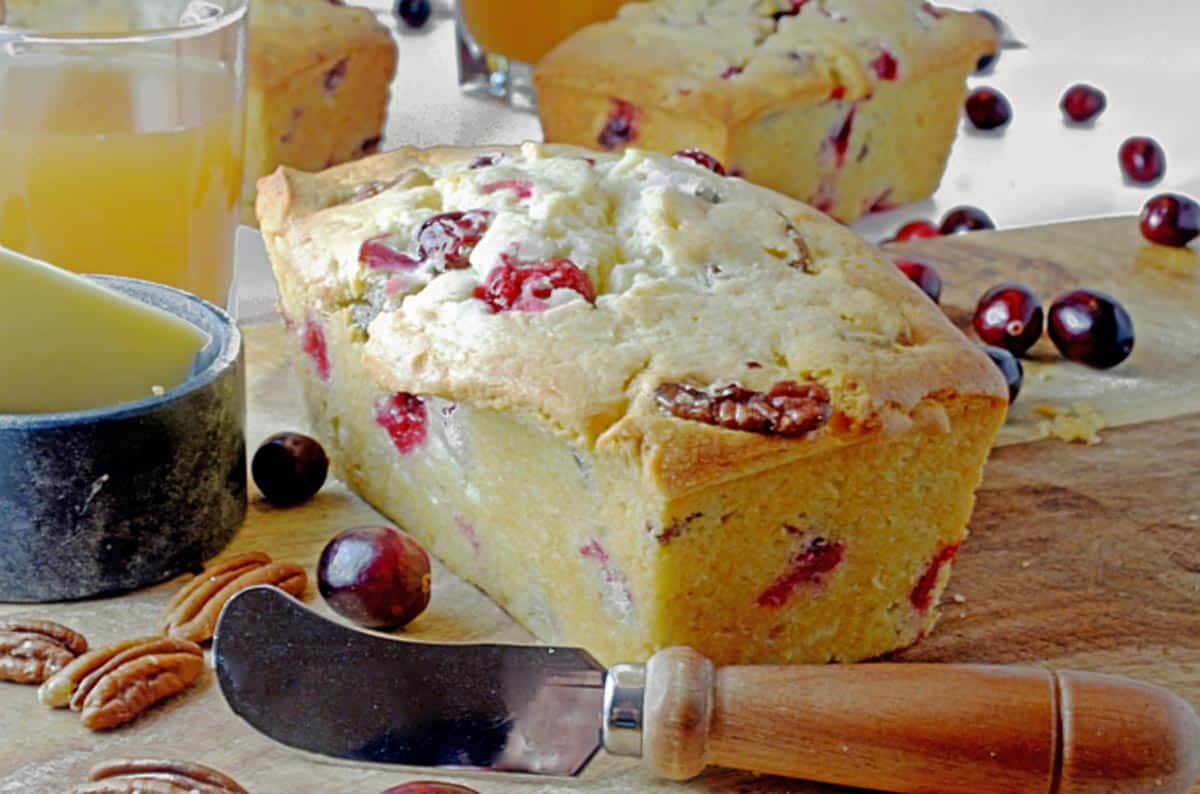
(403,416)
(452,236)
(807,566)
(1170,219)
(1142,160)
(988,109)
(917,230)
(839,138)
(885,65)
(1010,367)
(1083,102)
(522,187)
(378,254)
(621,127)
(924,276)
(289,468)
(429,787)
(376,576)
(527,288)
(792,11)
(313,344)
(965,219)
(702,159)
(1091,328)
(921,596)
(1009,316)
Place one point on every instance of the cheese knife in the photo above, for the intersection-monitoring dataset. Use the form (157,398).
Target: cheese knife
(323,687)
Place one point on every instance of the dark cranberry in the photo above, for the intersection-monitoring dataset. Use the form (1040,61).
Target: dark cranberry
(702,159)
(621,126)
(526,288)
(1170,219)
(1010,367)
(791,11)
(808,565)
(376,576)
(988,109)
(289,468)
(1091,328)
(451,236)
(923,275)
(415,13)
(917,230)
(1142,160)
(1083,102)
(1009,316)
(965,219)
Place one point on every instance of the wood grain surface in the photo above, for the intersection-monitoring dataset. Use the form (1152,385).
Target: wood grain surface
(1079,557)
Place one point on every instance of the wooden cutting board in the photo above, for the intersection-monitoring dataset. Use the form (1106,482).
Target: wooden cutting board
(1080,556)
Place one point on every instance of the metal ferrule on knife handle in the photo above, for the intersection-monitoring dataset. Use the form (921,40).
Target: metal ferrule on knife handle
(957,729)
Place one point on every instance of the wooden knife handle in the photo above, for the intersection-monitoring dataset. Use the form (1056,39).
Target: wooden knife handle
(955,729)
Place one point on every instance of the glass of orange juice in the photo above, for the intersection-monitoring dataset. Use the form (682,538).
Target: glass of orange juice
(121,136)
(500,42)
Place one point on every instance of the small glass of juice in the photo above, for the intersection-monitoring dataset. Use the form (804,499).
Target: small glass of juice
(121,137)
(500,42)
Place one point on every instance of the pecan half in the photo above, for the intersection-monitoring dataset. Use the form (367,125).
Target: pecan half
(788,409)
(56,690)
(152,776)
(193,612)
(33,650)
(132,680)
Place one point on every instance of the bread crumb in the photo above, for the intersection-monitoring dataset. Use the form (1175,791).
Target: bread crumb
(157,391)
(1078,423)
(959,598)
(1026,563)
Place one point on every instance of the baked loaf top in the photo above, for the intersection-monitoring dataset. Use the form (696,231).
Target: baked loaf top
(291,36)
(636,298)
(732,59)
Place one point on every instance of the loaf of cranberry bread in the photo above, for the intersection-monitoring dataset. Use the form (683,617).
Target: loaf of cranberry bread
(849,105)
(319,77)
(637,403)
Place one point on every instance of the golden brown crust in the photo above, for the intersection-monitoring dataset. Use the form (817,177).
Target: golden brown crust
(679,54)
(848,321)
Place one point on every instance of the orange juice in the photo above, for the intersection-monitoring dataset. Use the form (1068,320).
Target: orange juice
(528,29)
(128,165)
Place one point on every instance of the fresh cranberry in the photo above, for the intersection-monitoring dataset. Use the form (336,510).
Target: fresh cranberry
(924,276)
(1142,160)
(917,230)
(378,254)
(1082,102)
(289,468)
(1091,328)
(403,416)
(1170,219)
(965,219)
(807,566)
(921,596)
(450,238)
(1009,316)
(415,13)
(1010,367)
(527,288)
(988,109)
(702,159)
(313,344)
(621,127)
(885,65)
(522,187)
(376,576)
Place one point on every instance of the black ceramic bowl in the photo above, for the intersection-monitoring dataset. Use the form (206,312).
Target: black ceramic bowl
(108,500)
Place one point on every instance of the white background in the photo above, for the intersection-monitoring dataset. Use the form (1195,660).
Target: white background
(1142,53)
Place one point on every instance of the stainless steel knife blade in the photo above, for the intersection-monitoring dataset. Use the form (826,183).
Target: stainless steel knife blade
(326,688)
